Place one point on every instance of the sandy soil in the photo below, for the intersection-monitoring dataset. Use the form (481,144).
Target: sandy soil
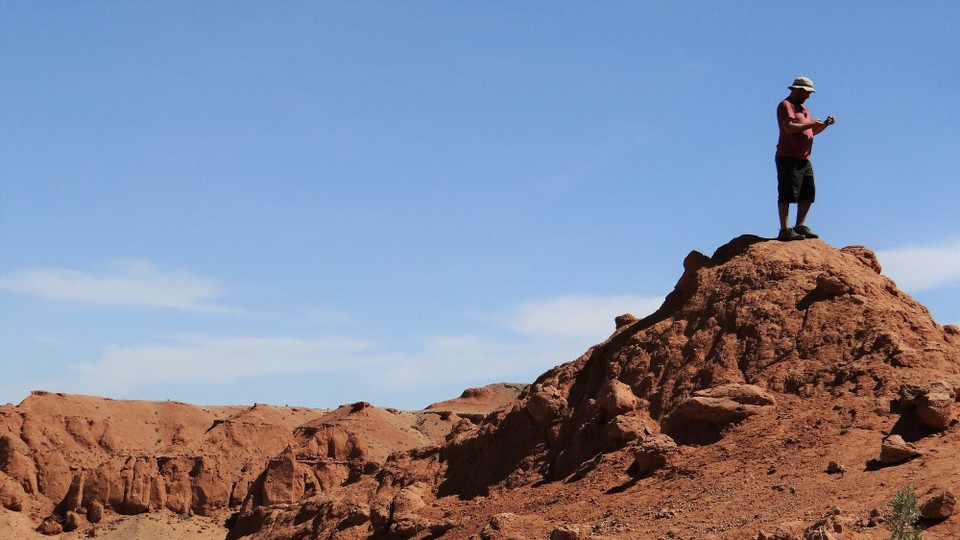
(154,526)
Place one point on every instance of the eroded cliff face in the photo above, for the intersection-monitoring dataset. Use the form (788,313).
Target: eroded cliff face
(63,457)
(65,453)
(783,390)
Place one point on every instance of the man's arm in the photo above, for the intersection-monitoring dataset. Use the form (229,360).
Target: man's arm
(820,125)
(792,126)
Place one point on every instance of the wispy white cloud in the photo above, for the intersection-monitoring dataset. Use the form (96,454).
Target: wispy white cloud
(917,268)
(539,336)
(577,316)
(542,334)
(202,360)
(206,360)
(125,283)
(471,359)
(443,358)
(327,316)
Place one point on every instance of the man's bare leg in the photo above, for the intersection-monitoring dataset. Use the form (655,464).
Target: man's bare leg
(802,208)
(786,233)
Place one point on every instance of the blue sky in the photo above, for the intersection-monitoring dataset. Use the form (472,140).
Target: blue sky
(312,203)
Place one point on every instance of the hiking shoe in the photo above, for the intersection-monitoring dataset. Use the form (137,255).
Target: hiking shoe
(805,231)
(787,235)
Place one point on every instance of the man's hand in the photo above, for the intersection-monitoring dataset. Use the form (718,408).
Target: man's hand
(819,125)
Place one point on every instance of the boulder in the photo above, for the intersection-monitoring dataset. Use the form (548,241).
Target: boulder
(936,410)
(709,410)
(744,394)
(438,528)
(940,505)
(95,512)
(50,526)
(546,405)
(389,514)
(625,428)
(934,403)
(407,517)
(616,398)
(565,532)
(700,419)
(624,320)
(652,453)
(409,500)
(895,450)
(11,493)
(71,521)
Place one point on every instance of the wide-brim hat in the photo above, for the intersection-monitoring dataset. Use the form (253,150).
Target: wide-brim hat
(802,83)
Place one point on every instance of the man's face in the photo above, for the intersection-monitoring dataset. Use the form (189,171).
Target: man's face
(802,95)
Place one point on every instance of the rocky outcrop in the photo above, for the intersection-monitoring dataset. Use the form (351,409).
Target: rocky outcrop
(756,319)
(702,418)
(545,405)
(77,457)
(933,404)
(475,403)
(616,398)
(74,453)
(12,495)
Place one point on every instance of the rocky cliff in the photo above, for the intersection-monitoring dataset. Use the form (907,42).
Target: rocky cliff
(67,459)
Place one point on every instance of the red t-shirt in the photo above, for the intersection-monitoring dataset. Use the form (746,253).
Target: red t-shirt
(794,145)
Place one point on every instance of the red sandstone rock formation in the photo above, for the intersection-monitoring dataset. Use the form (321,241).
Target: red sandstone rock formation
(757,398)
(63,457)
(767,362)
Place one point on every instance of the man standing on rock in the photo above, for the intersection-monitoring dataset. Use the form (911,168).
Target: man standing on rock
(794,172)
